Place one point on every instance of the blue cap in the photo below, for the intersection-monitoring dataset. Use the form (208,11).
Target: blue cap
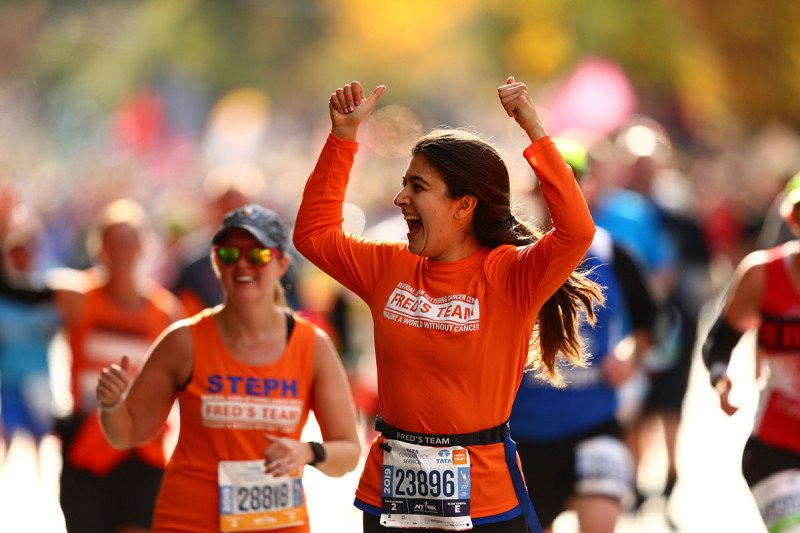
(262,223)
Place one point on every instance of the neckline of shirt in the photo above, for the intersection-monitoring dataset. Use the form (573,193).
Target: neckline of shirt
(450,266)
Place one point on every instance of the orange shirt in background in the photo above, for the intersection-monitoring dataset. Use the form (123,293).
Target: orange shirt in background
(101,334)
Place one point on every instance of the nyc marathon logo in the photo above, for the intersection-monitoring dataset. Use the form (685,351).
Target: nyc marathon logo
(412,307)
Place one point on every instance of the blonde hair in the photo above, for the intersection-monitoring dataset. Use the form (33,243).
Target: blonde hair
(123,211)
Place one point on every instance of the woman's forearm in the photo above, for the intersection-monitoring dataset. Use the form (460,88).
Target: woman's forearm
(117,426)
(341,457)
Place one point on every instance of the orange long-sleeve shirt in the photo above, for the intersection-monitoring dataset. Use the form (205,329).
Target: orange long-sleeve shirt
(451,338)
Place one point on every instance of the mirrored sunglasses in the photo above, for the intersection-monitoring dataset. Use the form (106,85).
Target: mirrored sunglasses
(255,255)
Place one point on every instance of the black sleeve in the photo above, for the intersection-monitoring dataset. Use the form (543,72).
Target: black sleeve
(638,296)
(23,292)
(718,347)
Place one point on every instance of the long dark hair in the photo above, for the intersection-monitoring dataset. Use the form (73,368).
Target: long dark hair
(470,165)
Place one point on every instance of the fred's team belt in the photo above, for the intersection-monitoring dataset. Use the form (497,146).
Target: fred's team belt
(487,436)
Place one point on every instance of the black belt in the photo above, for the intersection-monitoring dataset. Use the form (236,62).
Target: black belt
(486,436)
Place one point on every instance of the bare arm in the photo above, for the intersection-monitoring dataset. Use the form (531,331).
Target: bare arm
(131,420)
(333,406)
(334,409)
(69,287)
(741,308)
(741,312)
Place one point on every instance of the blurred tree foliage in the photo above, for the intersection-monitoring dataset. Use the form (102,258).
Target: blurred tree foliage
(711,62)
(757,49)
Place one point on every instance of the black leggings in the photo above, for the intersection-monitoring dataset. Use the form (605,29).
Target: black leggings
(515,525)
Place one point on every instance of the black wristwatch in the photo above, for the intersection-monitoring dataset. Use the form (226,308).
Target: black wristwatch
(319,453)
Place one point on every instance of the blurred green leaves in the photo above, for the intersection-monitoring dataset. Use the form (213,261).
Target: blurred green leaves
(714,58)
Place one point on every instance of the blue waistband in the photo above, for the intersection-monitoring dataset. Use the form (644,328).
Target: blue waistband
(519,486)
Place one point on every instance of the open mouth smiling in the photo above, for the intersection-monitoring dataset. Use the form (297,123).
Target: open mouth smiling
(414,223)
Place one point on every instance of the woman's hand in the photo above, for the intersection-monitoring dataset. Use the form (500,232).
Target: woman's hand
(618,369)
(285,456)
(518,104)
(114,381)
(723,388)
(348,108)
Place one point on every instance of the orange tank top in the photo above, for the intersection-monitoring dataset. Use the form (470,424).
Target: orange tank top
(225,410)
(102,333)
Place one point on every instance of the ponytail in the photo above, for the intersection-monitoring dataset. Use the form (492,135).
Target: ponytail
(470,165)
(557,329)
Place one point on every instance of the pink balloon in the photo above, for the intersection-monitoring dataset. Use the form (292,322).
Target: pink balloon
(596,98)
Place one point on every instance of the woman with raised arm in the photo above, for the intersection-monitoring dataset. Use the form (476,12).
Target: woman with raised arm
(245,374)
(455,313)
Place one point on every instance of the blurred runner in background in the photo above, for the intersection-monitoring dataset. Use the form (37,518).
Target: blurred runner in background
(589,468)
(105,490)
(765,295)
(224,190)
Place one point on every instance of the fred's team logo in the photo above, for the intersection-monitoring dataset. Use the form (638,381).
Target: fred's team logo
(413,307)
(459,457)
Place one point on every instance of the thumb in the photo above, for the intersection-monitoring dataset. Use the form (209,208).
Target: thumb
(125,363)
(269,437)
(511,79)
(376,94)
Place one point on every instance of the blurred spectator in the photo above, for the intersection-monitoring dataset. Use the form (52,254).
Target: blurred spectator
(225,189)
(647,166)
(28,327)
(107,311)
(617,177)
